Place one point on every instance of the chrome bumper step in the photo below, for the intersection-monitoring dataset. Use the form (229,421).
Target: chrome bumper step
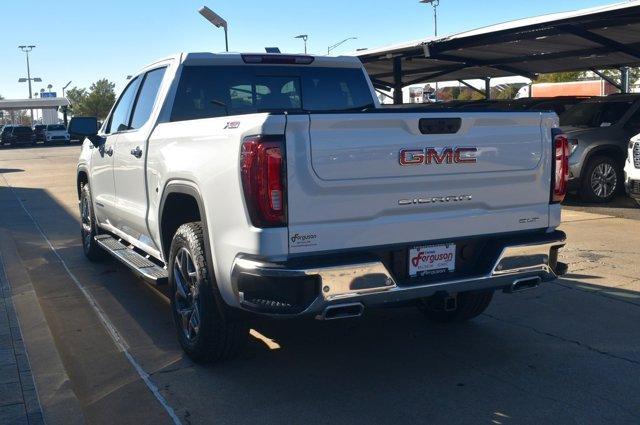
(142,266)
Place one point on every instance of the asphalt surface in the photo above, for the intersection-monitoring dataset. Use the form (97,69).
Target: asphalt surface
(567,352)
(621,207)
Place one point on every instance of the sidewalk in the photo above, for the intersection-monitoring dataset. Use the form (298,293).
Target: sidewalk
(18,399)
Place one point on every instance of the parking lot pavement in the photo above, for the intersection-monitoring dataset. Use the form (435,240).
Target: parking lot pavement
(621,207)
(567,352)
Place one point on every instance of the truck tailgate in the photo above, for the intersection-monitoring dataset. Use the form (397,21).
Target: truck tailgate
(349,188)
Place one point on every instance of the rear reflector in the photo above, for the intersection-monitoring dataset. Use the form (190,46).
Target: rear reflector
(263,171)
(278,59)
(560,166)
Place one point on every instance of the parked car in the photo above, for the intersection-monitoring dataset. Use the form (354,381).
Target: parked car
(4,135)
(632,170)
(38,132)
(57,133)
(275,185)
(19,135)
(599,130)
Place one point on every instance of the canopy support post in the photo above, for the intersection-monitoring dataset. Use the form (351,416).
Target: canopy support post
(487,88)
(397,80)
(624,80)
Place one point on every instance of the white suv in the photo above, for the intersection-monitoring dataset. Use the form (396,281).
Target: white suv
(56,132)
(632,169)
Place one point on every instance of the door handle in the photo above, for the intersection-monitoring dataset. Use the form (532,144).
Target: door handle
(109,151)
(137,152)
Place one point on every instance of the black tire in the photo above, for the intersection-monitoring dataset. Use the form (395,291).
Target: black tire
(203,331)
(468,305)
(601,180)
(88,227)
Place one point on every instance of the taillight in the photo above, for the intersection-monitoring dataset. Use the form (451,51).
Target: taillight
(263,168)
(560,166)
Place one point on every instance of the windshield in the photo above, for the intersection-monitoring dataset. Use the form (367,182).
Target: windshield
(22,130)
(56,127)
(595,114)
(214,91)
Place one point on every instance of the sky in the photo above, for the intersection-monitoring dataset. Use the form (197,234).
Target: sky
(85,40)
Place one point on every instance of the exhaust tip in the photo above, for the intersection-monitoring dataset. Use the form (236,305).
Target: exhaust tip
(524,284)
(342,311)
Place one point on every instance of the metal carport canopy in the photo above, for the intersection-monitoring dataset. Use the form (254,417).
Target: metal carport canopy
(595,38)
(44,103)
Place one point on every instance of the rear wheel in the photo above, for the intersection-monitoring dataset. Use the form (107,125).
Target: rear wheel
(204,333)
(467,305)
(88,226)
(601,180)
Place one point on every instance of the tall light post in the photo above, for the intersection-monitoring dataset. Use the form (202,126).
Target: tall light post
(65,87)
(26,49)
(434,4)
(216,20)
(330,48)
(304,38)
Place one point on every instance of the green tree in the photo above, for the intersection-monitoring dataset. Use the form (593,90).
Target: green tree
(614,74)
(96,102)
(560,77)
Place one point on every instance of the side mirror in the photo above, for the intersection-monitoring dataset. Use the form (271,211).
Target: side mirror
(85,127)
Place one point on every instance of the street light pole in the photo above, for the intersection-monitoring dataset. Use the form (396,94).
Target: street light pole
(26,49)
(330,48)
(434,4)
(216,20)
(304,38)
(65,87)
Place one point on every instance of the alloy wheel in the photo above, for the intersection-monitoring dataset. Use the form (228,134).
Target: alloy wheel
(186,293)
(85,214)
(604,180)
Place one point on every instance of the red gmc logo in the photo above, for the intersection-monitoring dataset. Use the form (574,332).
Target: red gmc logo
(428,156)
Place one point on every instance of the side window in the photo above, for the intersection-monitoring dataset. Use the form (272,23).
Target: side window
(634,121)
(120,118)
(147,97)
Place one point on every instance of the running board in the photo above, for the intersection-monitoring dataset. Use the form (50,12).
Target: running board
(142,266)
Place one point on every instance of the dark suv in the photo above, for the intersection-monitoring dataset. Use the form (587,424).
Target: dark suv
(4,135)
(599,130)
(38,132)
(18,135)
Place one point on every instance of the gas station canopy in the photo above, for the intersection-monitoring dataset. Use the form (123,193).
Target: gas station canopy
(21,104)
(597,38)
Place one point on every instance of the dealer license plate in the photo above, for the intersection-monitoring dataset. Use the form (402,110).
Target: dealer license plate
(432,259)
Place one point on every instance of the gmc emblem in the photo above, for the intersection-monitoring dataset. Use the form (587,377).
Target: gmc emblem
(428,156)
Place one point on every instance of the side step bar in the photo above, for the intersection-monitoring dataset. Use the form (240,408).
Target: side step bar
(143,267)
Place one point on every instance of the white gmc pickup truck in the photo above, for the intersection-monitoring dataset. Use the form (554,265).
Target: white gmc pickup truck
(268,184)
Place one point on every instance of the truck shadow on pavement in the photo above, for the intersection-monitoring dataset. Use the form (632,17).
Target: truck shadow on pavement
(566,352)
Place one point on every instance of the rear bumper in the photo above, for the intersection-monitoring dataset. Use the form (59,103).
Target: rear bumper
(284,290)
(633,188)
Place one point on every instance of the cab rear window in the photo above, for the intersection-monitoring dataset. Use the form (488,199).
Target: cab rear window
(215,91)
